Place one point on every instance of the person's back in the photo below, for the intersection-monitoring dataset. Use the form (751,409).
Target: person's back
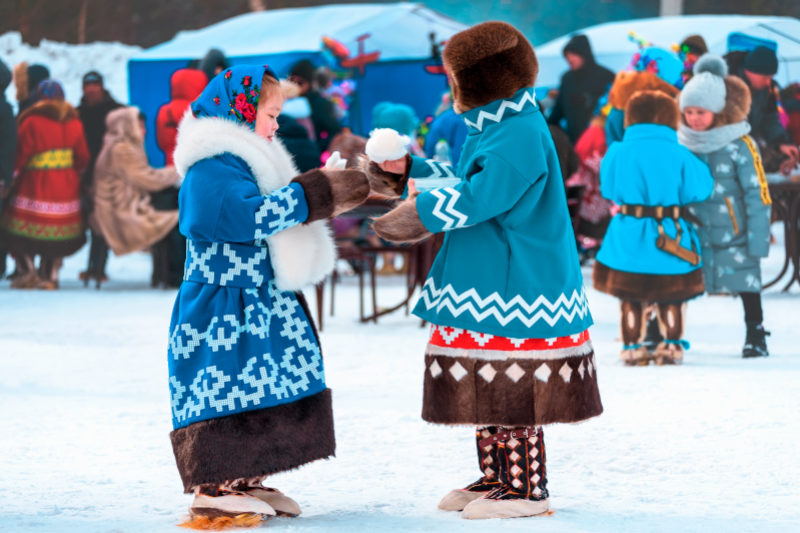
(123,181)
(186,85)
(650,254)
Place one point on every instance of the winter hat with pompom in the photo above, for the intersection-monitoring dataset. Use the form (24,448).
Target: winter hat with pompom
(707,88)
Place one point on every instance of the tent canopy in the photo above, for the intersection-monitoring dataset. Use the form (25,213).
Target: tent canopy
(614,50)
(398,31)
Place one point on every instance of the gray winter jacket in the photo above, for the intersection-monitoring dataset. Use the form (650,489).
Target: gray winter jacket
(736,219)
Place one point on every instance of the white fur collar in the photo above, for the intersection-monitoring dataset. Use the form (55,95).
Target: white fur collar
(301,255)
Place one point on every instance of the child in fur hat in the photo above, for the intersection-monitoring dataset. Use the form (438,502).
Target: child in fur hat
(509,349)
(650,255)
(246,375)
(735,219)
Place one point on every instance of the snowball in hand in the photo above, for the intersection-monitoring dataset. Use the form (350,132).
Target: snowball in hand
(385,144)
(335,162)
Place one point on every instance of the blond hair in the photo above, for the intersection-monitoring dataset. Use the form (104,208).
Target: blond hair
(269,88)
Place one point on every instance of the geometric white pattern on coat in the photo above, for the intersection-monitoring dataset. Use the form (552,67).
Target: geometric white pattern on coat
(435,369)
(494,306)
(298,368)
(450,213)
(581,370)
(238,266)
(487,372)
(458,371)
(515,372)
(589,367)
(498,116)
(543,373)
(279,218)
(199,261)
(565,372)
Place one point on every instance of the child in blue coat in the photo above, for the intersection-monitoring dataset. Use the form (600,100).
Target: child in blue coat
(651,255)
(246,375)
(509,349)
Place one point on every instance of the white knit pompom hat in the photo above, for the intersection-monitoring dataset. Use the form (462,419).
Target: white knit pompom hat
(706,89)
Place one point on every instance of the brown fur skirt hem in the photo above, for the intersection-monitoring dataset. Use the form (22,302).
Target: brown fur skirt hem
(19,245)
(648,287)
(255,443)
(478,389)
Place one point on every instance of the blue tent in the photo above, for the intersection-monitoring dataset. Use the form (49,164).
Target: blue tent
(400,32)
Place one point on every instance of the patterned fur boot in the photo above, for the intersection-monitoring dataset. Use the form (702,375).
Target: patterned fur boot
(671,318)
(217,507)
(523,477)
(283,505)
(634,327)
(489,464)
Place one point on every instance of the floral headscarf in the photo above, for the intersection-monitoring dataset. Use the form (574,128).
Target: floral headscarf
(233,94)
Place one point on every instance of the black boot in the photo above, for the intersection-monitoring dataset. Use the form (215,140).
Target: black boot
(489,464)
(755,344)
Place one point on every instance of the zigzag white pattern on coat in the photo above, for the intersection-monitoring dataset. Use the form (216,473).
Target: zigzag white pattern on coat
(437,167)
(301,255)
(493,305)
(497,117)
(449,208)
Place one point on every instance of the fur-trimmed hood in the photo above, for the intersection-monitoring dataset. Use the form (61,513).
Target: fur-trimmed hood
(627,83)
(58,110)
(652,107)
(488,62)
(301,255)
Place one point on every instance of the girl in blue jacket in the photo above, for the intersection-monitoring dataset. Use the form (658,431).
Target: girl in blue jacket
(246,375)
(651,255)
(509,349)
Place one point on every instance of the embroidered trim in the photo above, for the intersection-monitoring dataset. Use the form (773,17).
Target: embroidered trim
(762,177)
(61,158)
(449,208)
(47,208)
(527,97)
(495,306)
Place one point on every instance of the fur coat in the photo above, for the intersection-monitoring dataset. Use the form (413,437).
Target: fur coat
(123,181)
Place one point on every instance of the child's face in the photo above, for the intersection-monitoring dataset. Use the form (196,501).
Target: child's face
(267,116)
(698,119)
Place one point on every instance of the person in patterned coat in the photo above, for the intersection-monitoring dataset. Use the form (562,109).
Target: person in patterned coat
(44,211)
(735,220)
(246,375)
(509,350)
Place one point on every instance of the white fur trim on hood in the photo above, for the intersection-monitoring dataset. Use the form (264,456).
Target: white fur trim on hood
(301,255)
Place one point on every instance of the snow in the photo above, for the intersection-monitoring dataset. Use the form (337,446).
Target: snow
(69,62)
(708,446)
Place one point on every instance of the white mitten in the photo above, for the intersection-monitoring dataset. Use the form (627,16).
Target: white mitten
(335,162)
(385,144)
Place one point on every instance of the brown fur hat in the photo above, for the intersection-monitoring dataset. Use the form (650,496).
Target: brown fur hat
(652,107)
(488,62)
(57,110)
(627,83)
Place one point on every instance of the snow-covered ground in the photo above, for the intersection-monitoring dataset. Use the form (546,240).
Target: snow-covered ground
(84,446)
(68,63)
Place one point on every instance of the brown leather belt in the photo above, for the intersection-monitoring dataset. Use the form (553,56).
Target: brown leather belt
(660,212)
(506,434)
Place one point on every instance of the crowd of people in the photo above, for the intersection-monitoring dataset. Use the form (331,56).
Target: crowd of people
(674,153)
